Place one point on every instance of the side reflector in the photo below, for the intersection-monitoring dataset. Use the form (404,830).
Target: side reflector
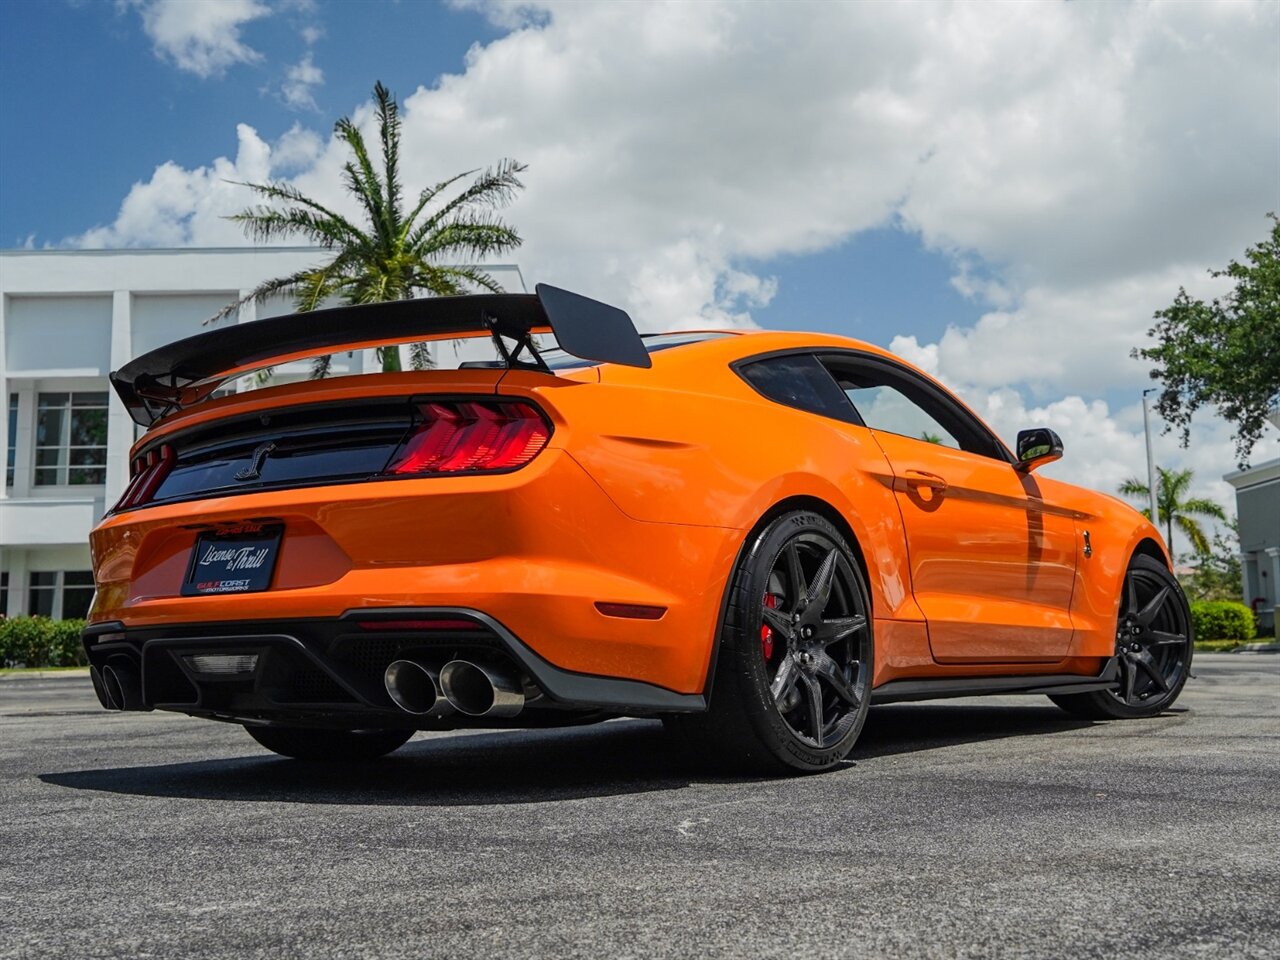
(631,611)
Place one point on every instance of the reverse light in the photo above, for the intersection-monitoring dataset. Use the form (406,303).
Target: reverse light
(472,436)
(146,473)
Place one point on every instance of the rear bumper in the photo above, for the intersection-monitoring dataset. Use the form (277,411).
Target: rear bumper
(534,550)
(328,672)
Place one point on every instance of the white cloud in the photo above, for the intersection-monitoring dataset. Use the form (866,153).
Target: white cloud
(1078,161)
(199,36)
(179,207)
(299,80)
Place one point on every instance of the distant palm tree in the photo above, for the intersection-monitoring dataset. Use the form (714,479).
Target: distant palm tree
(396,253)
(1175,511)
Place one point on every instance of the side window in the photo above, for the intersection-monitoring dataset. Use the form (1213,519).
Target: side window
(894,400)
(883,407)
(798,380)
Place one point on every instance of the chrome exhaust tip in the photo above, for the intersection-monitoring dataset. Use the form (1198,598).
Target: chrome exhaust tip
(122,687)
(414,687)
(481,691)
(95,677)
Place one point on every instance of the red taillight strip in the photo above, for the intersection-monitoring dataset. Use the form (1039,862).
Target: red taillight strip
(472,436)
(151,472)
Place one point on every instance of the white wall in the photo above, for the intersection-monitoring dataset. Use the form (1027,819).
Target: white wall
(69,317)
(49,333)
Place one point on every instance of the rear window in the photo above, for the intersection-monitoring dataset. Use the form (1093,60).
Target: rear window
(799,380)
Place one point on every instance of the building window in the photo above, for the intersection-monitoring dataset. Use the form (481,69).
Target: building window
(42,592)
(4,593)
(77,594)
(62,595)
(13,444)
(71,439)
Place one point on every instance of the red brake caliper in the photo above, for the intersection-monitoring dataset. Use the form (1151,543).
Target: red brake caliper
(766,631)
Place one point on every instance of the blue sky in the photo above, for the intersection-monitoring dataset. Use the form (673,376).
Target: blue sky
(123,110)
(1002,194)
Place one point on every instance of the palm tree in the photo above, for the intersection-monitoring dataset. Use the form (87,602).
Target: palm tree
(394,254)
(1175,511)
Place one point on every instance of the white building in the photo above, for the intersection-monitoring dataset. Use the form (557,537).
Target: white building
(1258,509)
(68,318)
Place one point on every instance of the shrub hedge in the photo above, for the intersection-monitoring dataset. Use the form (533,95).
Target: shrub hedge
(1222,620)
(41,642)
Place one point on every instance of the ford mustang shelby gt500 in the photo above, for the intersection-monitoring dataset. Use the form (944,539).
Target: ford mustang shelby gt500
(754,536)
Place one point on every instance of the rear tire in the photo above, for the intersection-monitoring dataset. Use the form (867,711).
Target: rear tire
(793,680)
(336,746)
(1154,644)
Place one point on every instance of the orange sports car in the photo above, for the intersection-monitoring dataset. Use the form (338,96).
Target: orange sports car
(752,535)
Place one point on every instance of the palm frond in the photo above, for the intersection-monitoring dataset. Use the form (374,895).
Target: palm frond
(389,132)
(424,198)
(264,224)
(1133,487)
(361,178)
(420,357)
(469,237)
(456,281)
(262,292)
(494,187)
(279,190)
(1199,506)
(1194,533)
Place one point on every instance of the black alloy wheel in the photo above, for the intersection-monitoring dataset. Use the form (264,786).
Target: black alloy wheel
(793,681)
(1154,644)
(330,746)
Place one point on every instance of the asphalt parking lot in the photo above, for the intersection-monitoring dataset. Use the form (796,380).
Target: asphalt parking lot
(992,827)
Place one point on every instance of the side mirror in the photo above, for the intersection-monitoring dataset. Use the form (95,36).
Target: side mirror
(1037,447)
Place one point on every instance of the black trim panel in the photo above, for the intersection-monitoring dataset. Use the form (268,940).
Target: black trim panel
(901,691)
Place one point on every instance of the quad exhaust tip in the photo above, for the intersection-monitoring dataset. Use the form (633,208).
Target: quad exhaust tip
(414,687)
(481,691)
(121,687)
(425,690)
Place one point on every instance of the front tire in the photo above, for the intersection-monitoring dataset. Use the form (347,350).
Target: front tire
(793,680)
(1154,644)
(336,746)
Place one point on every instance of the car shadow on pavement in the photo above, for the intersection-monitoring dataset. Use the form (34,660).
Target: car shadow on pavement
(533,766)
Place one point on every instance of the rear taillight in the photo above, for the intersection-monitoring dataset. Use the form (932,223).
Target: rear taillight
(146,473)
(471,436)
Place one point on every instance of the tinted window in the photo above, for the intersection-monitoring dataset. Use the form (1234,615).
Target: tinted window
(884,408)
(799,380)
(890,398)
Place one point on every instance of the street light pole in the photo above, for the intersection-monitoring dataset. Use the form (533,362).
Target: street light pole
(1151,459)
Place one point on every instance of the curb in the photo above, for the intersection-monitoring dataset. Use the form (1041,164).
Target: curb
(75,672)
(1269,647)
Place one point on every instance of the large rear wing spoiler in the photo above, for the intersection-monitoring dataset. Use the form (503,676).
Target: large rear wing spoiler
(185,372)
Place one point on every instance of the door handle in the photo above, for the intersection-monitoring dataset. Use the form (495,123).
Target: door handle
(922,478)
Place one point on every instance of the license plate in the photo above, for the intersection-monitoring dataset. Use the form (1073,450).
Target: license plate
(236,561)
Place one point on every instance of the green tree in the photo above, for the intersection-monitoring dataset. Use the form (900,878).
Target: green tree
(1174,509)
(1225,353)
(1215,575)
(394,253)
